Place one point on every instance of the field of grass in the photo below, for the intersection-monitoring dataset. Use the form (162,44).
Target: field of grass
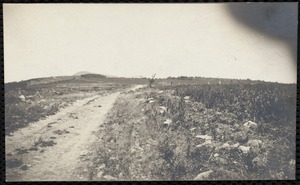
(179,132)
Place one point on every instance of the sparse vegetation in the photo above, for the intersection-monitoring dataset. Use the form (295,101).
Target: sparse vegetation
(139,144)
(191,128)
(27,102)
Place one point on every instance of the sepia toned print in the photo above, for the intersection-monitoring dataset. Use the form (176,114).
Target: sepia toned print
(134,92)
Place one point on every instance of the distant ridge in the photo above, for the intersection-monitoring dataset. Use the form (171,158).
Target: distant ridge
(89,73)
(82,73)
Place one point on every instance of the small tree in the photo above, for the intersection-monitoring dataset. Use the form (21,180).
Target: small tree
(152,80)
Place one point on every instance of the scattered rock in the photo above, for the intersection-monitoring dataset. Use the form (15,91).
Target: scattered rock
(102,166)
(207,142)
(192,129)
(150,100)
(167,122)
(250,124)
(100,174)
(109,177)
(254,143)
(203,175)
(257,161)
(163,108)
(113,158)
(225,146)
(235,145)
(222,160)
(206,137)
(292,162)
(244,149)
(22,97)
(186,97)
(216,155)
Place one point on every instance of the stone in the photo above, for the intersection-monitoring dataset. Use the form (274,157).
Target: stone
(203,175)
(109,177)
(102,166)
(192,129)
(167,122)
(100,174)
(235,145)
(206,137)
(250,124)
(254,143)
(244,149)
(22,97)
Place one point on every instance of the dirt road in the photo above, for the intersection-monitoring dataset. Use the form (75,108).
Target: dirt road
(58,147)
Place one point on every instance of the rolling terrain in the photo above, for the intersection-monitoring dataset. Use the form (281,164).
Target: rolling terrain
(98,128)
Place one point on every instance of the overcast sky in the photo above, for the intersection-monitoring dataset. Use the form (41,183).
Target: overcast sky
(134,40)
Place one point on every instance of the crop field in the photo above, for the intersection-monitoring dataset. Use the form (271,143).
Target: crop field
(122,129)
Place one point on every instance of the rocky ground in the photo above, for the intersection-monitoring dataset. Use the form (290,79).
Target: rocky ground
(156,135)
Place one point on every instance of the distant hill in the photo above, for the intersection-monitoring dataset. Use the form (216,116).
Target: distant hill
(92,76)
(82,73)
(89,74)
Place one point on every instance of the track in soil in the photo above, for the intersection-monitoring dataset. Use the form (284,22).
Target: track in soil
(56,149)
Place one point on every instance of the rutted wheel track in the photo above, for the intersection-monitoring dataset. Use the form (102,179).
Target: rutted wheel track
(53,148)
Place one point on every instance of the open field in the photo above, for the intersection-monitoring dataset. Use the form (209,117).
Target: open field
(94,128)
(32,100)
(165,134)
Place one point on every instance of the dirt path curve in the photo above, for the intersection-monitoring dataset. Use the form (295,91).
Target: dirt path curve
(52,149)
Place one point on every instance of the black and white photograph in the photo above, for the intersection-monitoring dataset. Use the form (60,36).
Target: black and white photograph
(150,92)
